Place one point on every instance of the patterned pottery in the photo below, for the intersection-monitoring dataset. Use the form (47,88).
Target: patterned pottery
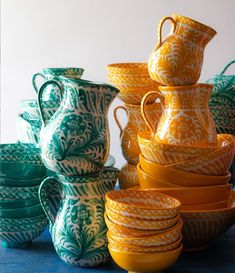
(128,176)
(135,124)
(78,228)
(76,139)
(18,193)
(140,249)
(18,203)
(25,212)
(186,119)
(142,204)
(132,79)
(202,227)
(145,262)
(177,60)
(29,109)
(18,233)
(153,175)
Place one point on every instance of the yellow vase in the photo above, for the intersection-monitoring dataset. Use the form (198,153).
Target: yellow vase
(135,124)
(186,119)
(177,59)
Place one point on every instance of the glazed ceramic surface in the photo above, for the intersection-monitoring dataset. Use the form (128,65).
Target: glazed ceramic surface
(177,60)
(18,193)
(186,119)
(135,124)
(128,176)
(78,229)
(76,139)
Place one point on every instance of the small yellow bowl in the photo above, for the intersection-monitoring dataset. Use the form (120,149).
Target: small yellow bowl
(142,204)
(128,176)
(173,176)
(161,239)
(129,69)
(140,223)
(145,262)
(140,249)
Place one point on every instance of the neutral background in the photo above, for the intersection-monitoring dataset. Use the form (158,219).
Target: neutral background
(92,34)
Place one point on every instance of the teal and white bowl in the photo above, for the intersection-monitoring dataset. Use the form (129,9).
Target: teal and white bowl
(18,193)
(18,203)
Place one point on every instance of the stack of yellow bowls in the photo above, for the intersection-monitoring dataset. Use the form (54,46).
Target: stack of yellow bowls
(133,81)
(143,226)
(198,177)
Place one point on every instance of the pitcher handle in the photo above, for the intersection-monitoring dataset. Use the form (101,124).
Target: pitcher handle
(34,79)
(227,66)
(40,96)
(50,203)
(164,19)
(116,117)
(143,112)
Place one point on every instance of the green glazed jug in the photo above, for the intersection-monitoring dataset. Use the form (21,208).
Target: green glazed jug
(77,223)
(75,141)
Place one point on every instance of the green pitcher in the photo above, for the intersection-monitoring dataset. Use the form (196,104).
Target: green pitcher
(75,141)
(77,223)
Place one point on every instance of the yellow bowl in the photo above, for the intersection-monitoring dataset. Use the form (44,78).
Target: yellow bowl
(165,153)
(149,205)
(161,239)
(145,262)
(124,232)
(173,176)
(128,176)
(140,223)
(140,249)
(203,226)
(129,69)
(215,163)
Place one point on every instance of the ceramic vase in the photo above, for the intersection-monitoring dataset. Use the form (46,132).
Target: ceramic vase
(77,223)
(75,141)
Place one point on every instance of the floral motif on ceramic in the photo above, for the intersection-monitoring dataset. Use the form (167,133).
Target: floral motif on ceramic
(128,176)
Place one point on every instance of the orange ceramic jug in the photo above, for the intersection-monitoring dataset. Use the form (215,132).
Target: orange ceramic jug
(135,124)
(177,59)
(186,119)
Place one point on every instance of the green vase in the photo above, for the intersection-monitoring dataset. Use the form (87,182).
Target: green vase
(77,223)
(75,141)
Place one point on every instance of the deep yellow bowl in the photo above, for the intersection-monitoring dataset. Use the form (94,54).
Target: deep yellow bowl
(137,223)
(129,69)
(161,239)
(145,262)
(173,176)
(140,249)
(142,204)
(128,176)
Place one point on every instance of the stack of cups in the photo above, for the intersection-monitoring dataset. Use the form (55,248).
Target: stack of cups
(133,81)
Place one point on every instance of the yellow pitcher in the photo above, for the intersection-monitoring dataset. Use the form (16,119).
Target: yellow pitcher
(186,119)
(177,59)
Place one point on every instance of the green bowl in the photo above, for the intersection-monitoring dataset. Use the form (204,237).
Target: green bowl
(18,193)
(31,211)
(18,203)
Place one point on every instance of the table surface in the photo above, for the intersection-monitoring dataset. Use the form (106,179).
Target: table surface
(41,258)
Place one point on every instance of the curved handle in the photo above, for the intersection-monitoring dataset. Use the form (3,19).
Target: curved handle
(116,117)
(164,19)
(227,66)
(35,76)
(50,195)
(143,112)
(40,96)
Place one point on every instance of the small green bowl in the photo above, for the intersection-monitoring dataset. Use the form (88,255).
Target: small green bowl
(31,211)
(19,203)
(18,193)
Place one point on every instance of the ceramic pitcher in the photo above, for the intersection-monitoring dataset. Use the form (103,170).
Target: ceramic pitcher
(135,124)
(186,119)
(77,224)
(75,140)
(177,59)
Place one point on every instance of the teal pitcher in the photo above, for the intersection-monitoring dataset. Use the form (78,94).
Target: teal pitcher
(77,223)
(75,141)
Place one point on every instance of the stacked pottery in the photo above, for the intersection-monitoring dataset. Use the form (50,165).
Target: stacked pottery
(134,82)
(144,230)
(22,218)
(183,156)
(75,145)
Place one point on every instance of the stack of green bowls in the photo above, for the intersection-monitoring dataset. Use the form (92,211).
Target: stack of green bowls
(21,216)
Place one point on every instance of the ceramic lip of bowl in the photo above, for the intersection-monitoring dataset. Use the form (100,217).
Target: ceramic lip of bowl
(15,204)
(25,182)
(145,262)
(141,223)
(22,223)
(179,177)
(198,195)
(25,212)
(128,69)
(142,204)
(19,147)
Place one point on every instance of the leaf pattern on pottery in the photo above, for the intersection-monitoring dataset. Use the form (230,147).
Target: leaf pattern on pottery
(78,229)
(76,139)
